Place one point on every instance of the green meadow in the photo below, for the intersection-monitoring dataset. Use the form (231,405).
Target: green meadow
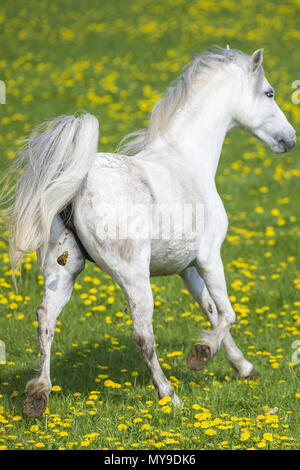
(115,59)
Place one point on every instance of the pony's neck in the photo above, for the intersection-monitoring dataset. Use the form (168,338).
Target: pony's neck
(198,129)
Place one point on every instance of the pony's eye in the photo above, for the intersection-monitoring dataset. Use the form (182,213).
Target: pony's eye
(269,94)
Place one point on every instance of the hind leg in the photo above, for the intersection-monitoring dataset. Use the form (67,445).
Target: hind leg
(200,355)
(64,261)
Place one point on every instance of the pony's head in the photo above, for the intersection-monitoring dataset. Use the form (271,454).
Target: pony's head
(223,76)
(256,111)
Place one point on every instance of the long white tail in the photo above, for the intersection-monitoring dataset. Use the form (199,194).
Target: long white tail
(56,159)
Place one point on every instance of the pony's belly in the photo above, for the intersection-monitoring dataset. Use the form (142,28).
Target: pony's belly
(171,257)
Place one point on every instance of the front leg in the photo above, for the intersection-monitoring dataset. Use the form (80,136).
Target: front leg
(210,267)
(198,358)
(212,272)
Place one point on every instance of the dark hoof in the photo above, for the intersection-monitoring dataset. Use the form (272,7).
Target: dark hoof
(198,357)
(35,404)
(254,374)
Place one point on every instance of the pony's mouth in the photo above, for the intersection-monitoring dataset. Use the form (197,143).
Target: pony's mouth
(283,146)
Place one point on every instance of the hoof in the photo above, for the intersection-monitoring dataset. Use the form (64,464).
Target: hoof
(35,404)
(37,398)
(198,357)
(253,374)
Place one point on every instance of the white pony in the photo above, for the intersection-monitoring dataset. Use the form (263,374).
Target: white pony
(72,203)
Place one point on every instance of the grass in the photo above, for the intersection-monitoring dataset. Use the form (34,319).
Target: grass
(114,59)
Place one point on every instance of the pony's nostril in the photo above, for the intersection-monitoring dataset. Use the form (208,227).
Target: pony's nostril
(287,144)
(282,142)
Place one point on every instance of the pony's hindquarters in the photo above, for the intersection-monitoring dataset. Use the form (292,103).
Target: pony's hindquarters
(56,159)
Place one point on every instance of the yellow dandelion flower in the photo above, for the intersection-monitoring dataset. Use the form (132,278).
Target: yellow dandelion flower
(196,407)
(84,443)
(145,427)
(163,401)
(166,409)
(122,427)
(110,383)
(210,432)
(245,436)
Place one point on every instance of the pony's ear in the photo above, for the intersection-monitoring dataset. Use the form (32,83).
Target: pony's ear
(256,59)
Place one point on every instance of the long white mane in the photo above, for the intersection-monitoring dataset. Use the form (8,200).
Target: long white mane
(201,68)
